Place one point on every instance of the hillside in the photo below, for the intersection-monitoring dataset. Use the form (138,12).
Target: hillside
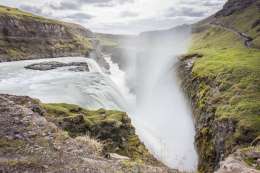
(27,36)
(221,76)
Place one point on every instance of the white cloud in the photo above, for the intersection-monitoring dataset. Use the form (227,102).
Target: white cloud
(122,16)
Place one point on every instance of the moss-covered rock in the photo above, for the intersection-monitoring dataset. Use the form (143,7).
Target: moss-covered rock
(113,128)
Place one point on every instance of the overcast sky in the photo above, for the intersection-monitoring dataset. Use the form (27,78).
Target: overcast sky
(121,16)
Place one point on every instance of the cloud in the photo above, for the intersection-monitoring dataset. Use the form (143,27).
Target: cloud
(128,14)
(79,17)
(93,1)
(185,12)
(65,6)
(32,9)
(35,10)
(213,3)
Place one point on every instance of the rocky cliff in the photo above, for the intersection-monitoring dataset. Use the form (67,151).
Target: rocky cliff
(221,77)
(26,36)
(37,137)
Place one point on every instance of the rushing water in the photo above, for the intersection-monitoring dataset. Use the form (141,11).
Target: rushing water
(92,89)
(161,115)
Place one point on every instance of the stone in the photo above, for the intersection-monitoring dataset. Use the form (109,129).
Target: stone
(115,156)
(45,66)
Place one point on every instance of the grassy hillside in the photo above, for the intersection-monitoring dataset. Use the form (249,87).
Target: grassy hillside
(229,84)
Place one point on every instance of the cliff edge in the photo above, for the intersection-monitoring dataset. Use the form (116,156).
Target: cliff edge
(37,137)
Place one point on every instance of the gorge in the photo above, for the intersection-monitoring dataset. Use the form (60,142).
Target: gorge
(190,93)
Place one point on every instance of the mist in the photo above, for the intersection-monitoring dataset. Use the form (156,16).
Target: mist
(161,114)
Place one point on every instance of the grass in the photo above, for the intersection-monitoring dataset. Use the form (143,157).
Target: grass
(236,69)
(247,156)
(95,146)
(229,75)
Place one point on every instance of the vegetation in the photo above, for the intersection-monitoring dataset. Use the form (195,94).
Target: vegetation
(107,41)
(236,70)
(112,128)
(229,85)
(115,41)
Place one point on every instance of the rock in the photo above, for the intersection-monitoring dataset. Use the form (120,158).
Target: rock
(45,66)
(45,154)
(79,69)
(234,164)
(115,156)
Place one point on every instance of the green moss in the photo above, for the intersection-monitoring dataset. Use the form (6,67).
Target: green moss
(112,127)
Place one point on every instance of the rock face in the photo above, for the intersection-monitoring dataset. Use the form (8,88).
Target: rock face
(26,36)
(213,135)
(44,66)
(30,143)
(234,5)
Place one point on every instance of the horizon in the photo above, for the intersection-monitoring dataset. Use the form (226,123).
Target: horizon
(122,17)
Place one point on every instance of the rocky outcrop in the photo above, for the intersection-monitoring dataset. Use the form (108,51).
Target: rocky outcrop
(31,143)
(44,66)
(244,161)
(114,128)
(26,36)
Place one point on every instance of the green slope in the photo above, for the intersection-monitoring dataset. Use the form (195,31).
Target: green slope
(229,88)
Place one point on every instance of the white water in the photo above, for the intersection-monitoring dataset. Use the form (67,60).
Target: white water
(92,89)
(161,115)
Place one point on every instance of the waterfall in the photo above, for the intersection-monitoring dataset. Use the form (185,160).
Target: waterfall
(155,104)
(162,116)
(93,66)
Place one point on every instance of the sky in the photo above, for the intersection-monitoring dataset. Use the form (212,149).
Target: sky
(121,16)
